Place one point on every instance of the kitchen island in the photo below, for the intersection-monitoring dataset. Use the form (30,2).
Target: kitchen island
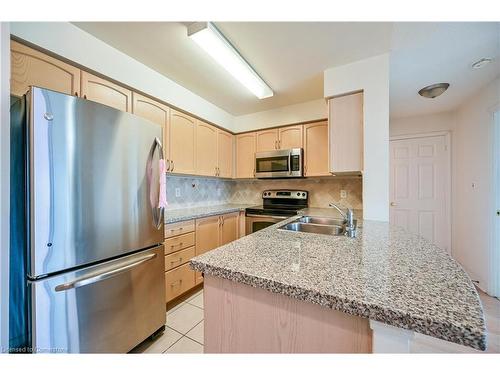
(284,291)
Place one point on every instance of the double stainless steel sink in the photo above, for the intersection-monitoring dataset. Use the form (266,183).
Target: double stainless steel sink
(318,225)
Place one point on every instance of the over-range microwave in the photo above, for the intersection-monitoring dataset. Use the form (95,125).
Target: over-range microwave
(280,163)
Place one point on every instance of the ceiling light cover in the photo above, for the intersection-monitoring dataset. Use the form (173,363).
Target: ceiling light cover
(481,62)
(206,35)
(433,91)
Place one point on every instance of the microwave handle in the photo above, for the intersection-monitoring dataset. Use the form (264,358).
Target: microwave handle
(290,163)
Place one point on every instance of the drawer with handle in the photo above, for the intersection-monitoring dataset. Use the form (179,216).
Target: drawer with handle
(178,258)
(180,242)
(181,227)
(178,281)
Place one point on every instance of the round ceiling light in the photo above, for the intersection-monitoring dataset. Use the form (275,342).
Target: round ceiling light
(481,62)
(433,91)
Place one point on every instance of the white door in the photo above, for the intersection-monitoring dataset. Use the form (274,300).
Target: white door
(419,183)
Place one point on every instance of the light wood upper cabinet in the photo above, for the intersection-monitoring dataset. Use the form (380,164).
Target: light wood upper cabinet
(290,137)
(105,92)
(267,140)
(155,112)
(225,153)
(346,133)
(229,228)
(245,155)
(182,143)
(30,67)
(206,149)
(316,149)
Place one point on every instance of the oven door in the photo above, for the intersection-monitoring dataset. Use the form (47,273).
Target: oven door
(279,163)
(254,223)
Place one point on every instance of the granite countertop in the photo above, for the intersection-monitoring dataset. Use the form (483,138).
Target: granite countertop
(173,216)
(385,274)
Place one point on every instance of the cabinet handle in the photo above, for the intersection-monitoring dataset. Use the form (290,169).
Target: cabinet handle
(279,144)
(168,165)
(85,96)
(173,165)
(76,93)
(175,283)
(176,261)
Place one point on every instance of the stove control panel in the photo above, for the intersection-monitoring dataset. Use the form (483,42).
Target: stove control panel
(287,194)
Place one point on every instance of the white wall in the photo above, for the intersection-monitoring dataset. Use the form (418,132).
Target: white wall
(444,121)
(290,114)
(471,128)
(473,207)
(4,182)
(72,43)
(372,76)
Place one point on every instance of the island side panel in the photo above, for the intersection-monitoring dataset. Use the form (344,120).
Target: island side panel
(243,319)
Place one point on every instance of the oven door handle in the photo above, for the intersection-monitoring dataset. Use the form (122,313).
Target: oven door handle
(270,217)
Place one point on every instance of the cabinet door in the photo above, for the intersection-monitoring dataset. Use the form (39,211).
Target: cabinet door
(207,237)
(229,228)
(182,143)
(316,149)
(290,137)
(267,140)
(30,67)
(105,92)
(155,112)
(245,155)
(346,133)
(225,153)
(242,224)
(206,149)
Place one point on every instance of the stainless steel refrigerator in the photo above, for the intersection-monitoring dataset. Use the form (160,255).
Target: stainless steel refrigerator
(94,232)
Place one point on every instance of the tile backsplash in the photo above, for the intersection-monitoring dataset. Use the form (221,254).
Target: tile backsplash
(322,191)
(199,191)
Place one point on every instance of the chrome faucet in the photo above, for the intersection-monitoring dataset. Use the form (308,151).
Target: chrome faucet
(350,227)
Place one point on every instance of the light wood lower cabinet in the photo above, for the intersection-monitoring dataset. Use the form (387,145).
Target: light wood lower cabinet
(178,258)
(186,239)
(105,92)
(316,149)
(29,67)
(229,228)
(215,231)
(178,281)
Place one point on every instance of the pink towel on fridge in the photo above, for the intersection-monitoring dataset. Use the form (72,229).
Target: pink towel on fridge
(162,199)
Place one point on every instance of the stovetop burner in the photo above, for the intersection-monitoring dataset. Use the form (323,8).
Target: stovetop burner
(284,203)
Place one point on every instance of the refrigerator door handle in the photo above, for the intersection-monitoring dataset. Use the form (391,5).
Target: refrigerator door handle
(94,278)
(157,212)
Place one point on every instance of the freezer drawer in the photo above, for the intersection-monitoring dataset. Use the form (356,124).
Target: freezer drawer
(107,308)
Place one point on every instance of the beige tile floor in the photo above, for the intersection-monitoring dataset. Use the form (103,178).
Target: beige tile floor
(184,330)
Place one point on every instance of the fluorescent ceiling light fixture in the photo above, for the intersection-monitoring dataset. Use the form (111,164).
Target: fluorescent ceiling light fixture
(206,35)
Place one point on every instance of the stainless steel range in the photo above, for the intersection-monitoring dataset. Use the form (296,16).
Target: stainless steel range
(277,206)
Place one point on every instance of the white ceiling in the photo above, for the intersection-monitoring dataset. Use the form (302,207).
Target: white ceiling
(427,53)
(291,58)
